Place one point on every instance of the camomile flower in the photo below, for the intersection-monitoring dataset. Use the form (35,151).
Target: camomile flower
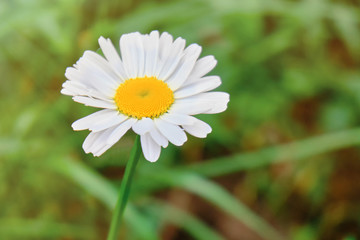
(154,88)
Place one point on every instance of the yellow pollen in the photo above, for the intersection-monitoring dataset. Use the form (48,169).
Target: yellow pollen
(143,97)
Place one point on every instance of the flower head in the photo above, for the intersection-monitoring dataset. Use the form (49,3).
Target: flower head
(155,88)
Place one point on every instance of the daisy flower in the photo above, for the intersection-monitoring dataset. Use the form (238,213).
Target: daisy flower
(154,88)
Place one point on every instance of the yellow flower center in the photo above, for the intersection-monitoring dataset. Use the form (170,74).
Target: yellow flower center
(144,97)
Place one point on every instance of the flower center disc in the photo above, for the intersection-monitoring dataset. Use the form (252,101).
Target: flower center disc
(143,97)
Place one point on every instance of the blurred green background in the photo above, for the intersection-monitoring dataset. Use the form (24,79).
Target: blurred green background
(282,162)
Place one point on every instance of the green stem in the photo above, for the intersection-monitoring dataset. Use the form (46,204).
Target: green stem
(124,190)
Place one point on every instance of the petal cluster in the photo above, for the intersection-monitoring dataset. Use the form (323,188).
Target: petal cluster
(94,80)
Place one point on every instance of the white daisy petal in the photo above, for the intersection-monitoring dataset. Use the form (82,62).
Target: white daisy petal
(172,58)
(202,66)
(218,99)
(109,122)
(113,57)
(143,126)
(97,143)
(178,119)
(165,43)
(139,56)
(126,55)
(96,140)
(198,129)
(190,108)
(71,86)
(89,140)
(206,84)
(94,102)
(82,80)
(185,67)
(210,102)
(72,74)
(132,53)
(68,92)
(93,78)
(90,120)
(120,131)
(158,137)
(102,68)
(151,149)
(151,46)
(173,133)
(76,88)
(100,142)
(100,151)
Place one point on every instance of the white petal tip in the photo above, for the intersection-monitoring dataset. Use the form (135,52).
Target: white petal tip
(78,126)
(66,92)
(179,144)
(74,127)
(204,135)
(152,160)
(85,149)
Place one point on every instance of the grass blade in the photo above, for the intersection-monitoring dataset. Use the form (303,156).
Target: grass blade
(188,222)
(218,196)
(299,150)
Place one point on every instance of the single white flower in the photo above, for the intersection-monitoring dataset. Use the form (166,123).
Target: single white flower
(154,88)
